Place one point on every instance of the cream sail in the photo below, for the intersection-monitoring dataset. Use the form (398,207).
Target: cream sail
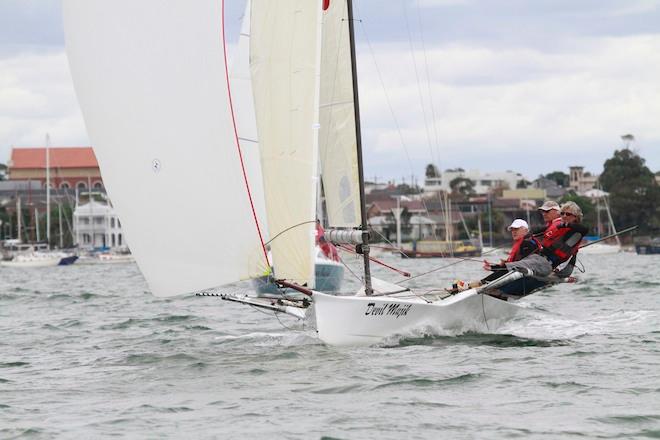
(337,138)
(284,50)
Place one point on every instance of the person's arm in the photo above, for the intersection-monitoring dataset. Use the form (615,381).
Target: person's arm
(575,227)
(527,247)
(576,234)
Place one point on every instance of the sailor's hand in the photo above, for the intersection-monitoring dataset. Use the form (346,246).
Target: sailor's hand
(487,265)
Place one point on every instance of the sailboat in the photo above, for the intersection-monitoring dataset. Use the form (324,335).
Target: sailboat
(602,247)
(154,88)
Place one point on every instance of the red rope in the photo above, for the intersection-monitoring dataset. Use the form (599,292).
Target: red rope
(351,250)
(238,145)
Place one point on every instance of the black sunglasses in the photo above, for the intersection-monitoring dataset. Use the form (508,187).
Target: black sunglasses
(567,213)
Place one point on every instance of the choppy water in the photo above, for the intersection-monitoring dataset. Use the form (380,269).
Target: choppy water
(87,352)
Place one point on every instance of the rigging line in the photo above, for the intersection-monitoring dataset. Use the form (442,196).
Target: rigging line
(428,81)
(419,87)
(283,325)
(394,269)
(399,251)
(387,97)
(349,269)
(461,260)
(483,309)
(275,314)
(389,105)
(288,229)
(238,143)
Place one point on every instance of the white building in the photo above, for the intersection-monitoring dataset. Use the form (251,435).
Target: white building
(581,182)
(96,225)
(483,183)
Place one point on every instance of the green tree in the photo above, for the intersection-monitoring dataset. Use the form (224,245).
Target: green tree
(522,184)
(634,193)
(4,223)
(404,188)
(432,171)
(558,176)
(406,227)
(3,171)
(462,187)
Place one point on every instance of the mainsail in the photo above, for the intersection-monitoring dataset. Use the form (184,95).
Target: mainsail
(337,141)
(151,80)
(284,61)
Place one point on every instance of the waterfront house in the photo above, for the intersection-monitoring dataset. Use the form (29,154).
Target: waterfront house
(96,225)
(70,167)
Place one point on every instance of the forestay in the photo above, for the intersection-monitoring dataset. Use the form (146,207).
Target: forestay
(284,62)
(151,81)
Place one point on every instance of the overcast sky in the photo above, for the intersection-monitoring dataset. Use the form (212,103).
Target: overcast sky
(530,86)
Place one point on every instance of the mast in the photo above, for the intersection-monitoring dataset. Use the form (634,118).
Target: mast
(609,216)
(59,212)
(36,223)
(363,205)
(19,220)
(48,189)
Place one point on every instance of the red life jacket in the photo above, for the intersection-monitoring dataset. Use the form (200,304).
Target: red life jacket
(554,222)
(554,246)
(514,255)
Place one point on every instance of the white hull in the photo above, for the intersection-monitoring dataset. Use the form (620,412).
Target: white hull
(361,320)
(115,258)
(600,249)
(37,262)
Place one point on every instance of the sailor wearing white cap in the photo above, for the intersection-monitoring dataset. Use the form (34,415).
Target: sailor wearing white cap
(517,224)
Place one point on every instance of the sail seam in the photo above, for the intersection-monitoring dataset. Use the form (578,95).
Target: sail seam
(236,138)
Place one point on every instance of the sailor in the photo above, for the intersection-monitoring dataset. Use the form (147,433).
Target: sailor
(524,244)
(550,213)
(561,241)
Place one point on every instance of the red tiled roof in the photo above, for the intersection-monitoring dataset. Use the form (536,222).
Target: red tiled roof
(60,157)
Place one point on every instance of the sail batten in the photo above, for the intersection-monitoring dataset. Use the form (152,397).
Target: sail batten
(152,85)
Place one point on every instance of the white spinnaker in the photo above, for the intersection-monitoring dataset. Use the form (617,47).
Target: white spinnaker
(150,78)
(284,61)
(246,123)
(337,137)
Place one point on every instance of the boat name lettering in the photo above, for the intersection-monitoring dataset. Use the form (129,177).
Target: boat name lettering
(388,309)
